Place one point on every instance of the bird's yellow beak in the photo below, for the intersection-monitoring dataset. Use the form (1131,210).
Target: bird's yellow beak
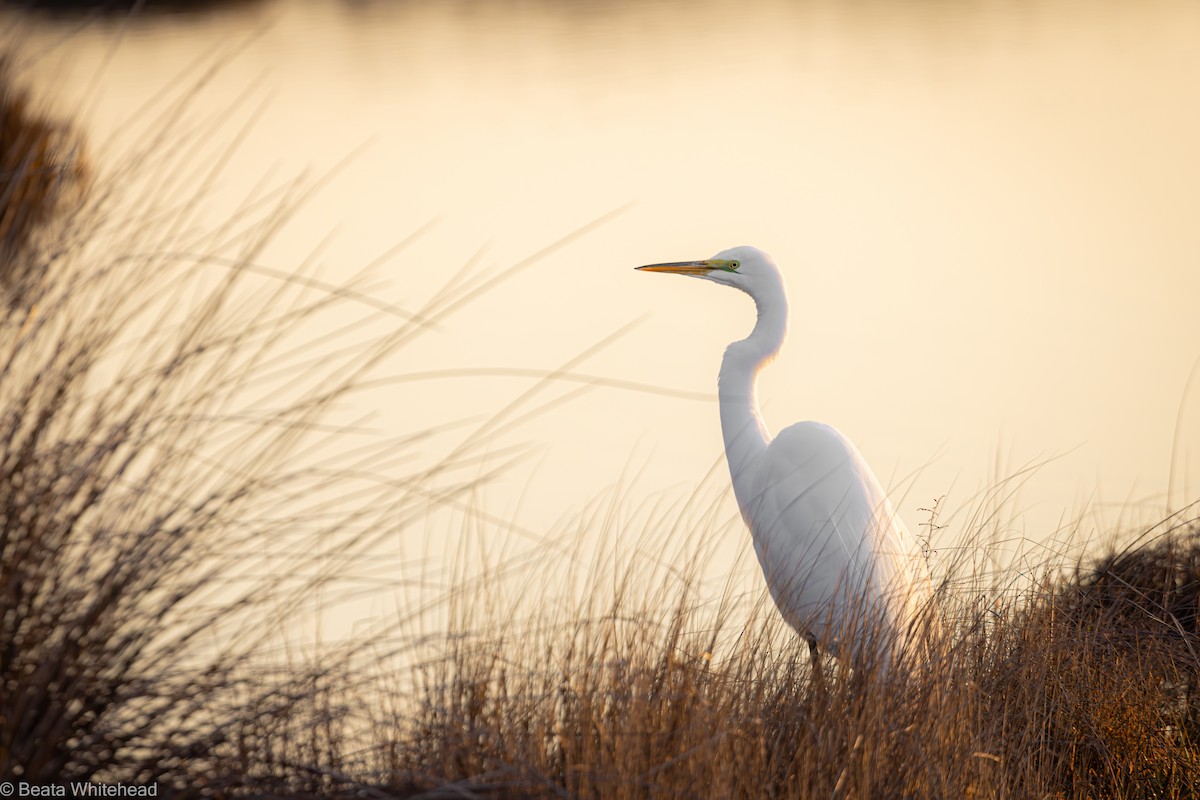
(692,267)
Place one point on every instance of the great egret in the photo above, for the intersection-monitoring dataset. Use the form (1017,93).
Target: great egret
(838,560)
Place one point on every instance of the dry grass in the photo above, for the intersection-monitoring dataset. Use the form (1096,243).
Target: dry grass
(1083,685)
(179,497)
(144,483)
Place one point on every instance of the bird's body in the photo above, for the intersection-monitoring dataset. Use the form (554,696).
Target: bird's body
(837,559)
(839,563)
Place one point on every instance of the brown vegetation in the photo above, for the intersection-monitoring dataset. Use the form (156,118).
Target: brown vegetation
(1073,689)
(125,8)
(41,164)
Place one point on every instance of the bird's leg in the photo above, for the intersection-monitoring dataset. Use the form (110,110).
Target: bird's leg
(814,653)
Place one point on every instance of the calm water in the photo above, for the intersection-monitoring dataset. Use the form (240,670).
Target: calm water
(987,212)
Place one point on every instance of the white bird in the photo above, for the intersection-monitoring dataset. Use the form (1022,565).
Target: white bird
(839,563)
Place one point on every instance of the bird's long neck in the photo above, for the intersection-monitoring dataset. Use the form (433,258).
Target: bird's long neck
(746,436)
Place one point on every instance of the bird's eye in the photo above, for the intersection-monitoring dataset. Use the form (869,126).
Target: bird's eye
(733,265)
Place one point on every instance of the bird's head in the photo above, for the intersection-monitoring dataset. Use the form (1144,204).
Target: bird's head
(745,268)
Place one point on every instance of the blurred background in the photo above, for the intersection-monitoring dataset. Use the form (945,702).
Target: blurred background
(986,211)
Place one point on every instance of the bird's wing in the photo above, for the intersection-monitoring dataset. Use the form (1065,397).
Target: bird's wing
(823,528)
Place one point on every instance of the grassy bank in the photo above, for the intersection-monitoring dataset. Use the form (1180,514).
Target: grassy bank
(1082,685)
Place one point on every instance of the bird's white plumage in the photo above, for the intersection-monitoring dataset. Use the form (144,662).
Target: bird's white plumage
(827,538)
(838,561)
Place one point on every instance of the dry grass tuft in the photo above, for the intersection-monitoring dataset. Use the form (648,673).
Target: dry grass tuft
(143,487)
(165,522)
